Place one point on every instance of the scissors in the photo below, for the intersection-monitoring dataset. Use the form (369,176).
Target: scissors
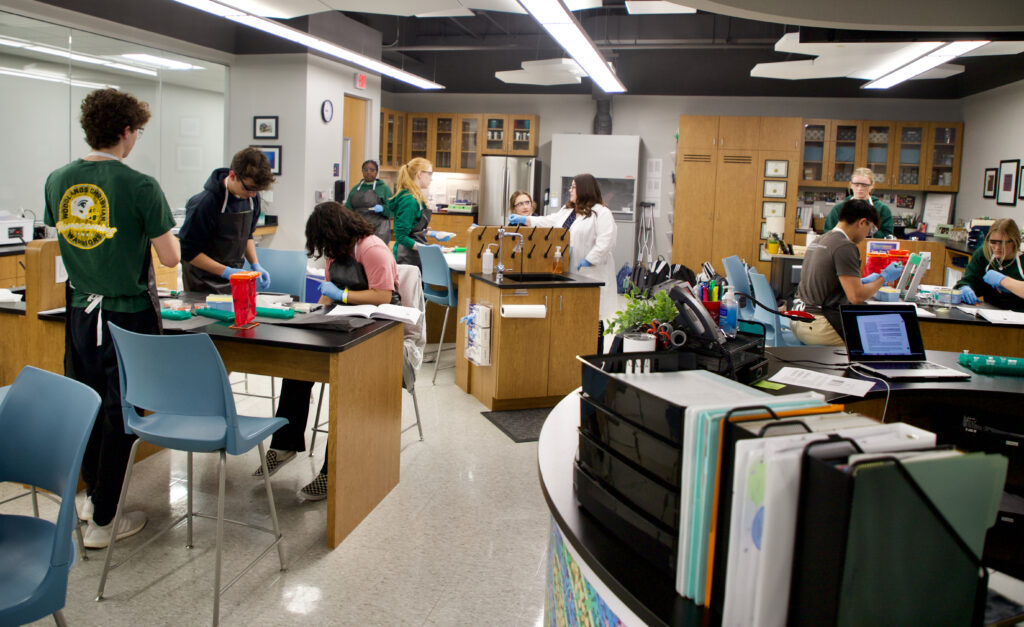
(662,333)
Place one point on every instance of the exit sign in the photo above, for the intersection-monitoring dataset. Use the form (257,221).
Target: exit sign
(360,81)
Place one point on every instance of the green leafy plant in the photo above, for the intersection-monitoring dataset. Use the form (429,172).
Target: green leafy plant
(641,311)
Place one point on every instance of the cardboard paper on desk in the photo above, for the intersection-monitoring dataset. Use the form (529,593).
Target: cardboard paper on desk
(700,431)
(765,495)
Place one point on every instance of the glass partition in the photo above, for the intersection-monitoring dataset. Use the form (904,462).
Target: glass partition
(45,72)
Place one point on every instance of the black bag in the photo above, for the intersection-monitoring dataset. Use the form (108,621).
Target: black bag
(645,278)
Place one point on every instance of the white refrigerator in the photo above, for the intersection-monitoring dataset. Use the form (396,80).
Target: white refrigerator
(499,177)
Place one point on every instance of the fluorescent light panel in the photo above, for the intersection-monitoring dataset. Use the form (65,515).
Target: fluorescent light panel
(935,58)
(160,62)
(291,34)
(655,7)
(564,29)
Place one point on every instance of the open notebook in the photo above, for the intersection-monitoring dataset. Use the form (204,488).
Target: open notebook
(409,315)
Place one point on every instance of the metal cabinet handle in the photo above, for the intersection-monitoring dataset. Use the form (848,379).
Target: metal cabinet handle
(559,302)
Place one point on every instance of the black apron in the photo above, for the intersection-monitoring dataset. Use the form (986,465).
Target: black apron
(362,201)
(419,235)
(227,247)
(347,273)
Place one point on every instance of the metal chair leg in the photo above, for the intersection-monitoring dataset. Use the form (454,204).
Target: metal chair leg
(416,407)
(221,480)
(273,508)
(58,617)
(188,504)
(440,344)
(117,518)
(273,395)
(316,419)
(35,502)
(81,539)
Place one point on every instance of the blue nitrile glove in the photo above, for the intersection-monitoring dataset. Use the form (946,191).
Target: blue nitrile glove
(583,264)
(378,208)
(967,295)
(993,278)
(892,271)
(869,278)
(441,236)
(263,282)
(332,291)
(516,220)
(228,271)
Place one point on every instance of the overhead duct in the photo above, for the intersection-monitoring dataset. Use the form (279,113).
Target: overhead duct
(603,115)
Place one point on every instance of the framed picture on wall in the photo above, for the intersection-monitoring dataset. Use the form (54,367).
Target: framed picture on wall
(989,189)
(775,189)
(274,156)
(1020,188)
(1006,182)
(773,209)
(264,127)
(776,168)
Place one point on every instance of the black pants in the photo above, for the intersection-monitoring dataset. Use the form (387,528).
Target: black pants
(106,454)
(294,405)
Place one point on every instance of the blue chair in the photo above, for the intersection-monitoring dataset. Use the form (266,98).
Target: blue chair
(777,327)
(736,273)
(45,422)
(436,274)
(182,381)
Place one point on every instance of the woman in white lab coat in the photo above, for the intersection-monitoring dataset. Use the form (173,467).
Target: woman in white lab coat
(592,233)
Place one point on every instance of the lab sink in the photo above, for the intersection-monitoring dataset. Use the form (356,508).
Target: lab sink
(533,277)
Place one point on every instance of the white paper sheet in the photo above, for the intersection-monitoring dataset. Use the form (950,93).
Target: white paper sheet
(821,381)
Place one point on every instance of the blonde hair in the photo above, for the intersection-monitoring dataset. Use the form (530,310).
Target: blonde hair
(864,172)
(407,178)
(1007,227)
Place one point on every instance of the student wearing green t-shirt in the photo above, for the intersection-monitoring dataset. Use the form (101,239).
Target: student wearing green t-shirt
(107,215)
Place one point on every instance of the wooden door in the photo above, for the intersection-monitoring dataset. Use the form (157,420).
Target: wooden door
(445,130)
(737,192)
(469,143)
(419,136)
(523,129)
(843,142)
(698,132)
(694,212)
(495,134)
(780,134)
(354,128)
(878,145)
(574,316)
(815,157)
(738,132)
(910,155)
(943,146)
(520,346)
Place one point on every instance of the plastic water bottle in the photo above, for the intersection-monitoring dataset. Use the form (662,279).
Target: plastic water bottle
(728,313)
(487,261)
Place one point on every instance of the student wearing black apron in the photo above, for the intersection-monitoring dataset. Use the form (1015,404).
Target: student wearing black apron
(412,215)
(107,215)
(360,271)
(216,237)
(368,198)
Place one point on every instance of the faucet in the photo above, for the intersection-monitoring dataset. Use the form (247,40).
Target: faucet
(502,234)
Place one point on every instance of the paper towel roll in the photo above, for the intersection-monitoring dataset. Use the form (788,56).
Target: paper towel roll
(776,225)
(523,311)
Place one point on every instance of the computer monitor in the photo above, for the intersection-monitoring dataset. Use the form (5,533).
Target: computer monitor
(785,276)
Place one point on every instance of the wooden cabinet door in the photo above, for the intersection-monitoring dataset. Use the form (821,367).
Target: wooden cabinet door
(843,142)
(495,134)
(523,129)
(9,270)
(737,192)
(943,144)
(694,211)
(392,130)
(738,132)
(910,154)
(520,346)
(445,126)
(574,316)
(468,157)
(780,134)
(419,136)
(878,146)
(698,132)
(816,152)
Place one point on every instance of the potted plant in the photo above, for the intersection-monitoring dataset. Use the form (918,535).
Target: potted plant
(640,312)
(773,243)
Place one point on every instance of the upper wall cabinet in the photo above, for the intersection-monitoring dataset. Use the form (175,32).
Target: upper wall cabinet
(945,141)
(468,141)
(419,137)
(392,138)
(843,142)
(510,134)
(817,152)
(875,150)
(910,137)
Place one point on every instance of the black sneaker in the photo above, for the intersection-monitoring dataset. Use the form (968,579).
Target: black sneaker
(315,490)
(275,459)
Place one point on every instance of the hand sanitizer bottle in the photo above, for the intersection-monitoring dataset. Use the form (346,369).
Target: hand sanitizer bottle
(728,313)
(556,266)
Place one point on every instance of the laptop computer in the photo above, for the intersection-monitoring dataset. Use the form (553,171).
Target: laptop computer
(886,340)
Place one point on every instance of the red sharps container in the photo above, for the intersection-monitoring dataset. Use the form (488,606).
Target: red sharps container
(243,295)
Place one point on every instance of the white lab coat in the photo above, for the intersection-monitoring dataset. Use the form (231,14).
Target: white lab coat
(592,239)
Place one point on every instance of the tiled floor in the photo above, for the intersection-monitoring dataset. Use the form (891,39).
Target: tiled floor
(460,541)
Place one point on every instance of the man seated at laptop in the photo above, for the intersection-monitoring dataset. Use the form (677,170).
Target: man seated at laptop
(831,274)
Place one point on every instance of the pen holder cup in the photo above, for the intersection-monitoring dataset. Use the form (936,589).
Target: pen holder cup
(243,296)
(713,307)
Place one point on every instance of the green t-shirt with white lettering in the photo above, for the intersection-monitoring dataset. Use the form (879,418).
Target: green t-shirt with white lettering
(106,214)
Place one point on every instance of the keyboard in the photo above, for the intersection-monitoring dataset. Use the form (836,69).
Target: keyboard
(906,365)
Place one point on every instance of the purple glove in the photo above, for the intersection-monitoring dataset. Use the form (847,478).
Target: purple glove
(869,278)
(332,291)
(892,271)
(967,295)
(263,282)
(994,278)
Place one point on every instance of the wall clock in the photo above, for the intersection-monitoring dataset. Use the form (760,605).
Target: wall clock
(326,110)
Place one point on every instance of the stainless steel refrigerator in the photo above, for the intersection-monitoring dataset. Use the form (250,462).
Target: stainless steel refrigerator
(499,177)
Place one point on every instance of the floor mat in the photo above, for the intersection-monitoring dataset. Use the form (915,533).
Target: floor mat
(521,425)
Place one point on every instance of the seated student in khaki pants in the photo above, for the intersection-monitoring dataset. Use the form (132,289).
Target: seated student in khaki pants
(831,275)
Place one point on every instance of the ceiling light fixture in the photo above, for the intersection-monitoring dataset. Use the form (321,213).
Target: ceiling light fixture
(564,29)
(655,7)
(921,65)
(291,34)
